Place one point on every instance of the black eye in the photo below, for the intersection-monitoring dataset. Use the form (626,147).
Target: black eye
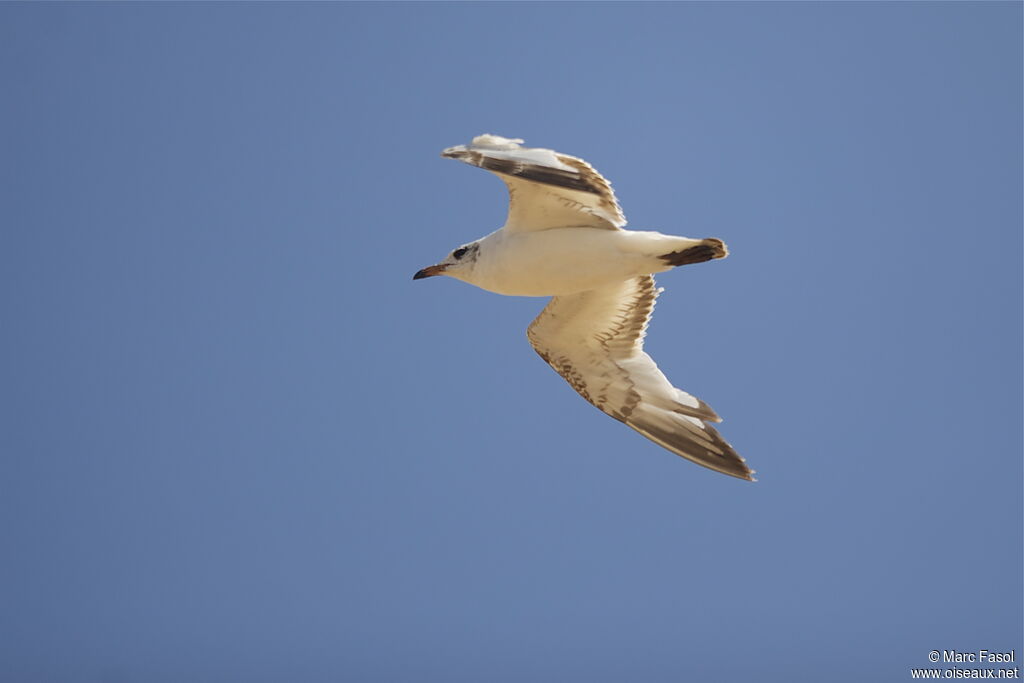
(459,253)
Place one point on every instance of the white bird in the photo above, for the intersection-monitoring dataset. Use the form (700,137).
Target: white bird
(564,238)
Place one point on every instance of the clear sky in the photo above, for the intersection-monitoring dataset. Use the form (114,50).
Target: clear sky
(239,443)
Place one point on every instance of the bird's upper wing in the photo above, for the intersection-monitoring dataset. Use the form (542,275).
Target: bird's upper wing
(594,340)
(546,189)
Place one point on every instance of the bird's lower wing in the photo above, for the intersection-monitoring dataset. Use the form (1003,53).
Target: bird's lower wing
(594,340)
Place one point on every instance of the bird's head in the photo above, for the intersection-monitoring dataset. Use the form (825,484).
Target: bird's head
(457,264)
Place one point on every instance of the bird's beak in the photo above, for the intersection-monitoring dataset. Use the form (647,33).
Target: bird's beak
(430,271)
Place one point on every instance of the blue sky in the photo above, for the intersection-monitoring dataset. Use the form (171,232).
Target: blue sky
(239,443)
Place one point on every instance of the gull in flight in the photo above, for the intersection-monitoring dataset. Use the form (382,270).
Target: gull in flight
(564,238)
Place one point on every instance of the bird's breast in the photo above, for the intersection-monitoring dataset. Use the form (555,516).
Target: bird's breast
(554,262)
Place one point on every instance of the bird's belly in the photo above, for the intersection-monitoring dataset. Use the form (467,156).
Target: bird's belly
(558,262)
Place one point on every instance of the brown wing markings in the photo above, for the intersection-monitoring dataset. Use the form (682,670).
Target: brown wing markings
(595,182)
(629,326)
(689,436)
(539,174)
(595,198)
